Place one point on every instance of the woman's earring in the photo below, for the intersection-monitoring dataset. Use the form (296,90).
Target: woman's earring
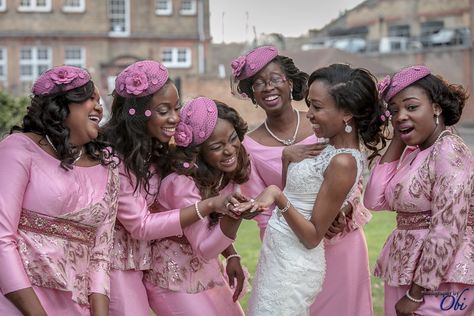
(348,128)
(437,119)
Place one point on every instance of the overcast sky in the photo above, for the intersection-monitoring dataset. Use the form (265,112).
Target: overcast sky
(234,20)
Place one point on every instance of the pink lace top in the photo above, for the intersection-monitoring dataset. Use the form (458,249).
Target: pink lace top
(136,225)
(56,226)
(267,170)
(188,264)
(432,191)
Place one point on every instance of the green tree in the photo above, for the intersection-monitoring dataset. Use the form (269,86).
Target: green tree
(12,111)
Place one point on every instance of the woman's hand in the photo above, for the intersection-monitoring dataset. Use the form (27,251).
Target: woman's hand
(262,202)
(340,222)
(226,204)
(406,307)
(296,153)
(235,273)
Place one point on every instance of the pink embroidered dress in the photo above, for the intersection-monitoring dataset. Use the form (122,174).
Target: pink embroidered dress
(189,264)
(136,226)
(346,254)
(432,192)
(56,228)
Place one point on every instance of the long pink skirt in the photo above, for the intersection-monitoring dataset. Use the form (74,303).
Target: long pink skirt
(346,288)
(128,294)
(435,305)
(54,302)
(213,302)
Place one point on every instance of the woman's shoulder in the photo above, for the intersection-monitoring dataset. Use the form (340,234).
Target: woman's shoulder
(453,149)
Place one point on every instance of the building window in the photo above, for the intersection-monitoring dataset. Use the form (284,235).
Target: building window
(33,62)
(74,5)
(164,7)
(399,31)
(3,64)
(176,57)
(75,56)
(3,5)
(431,27)
(35,6)
(188,7)
(119,17)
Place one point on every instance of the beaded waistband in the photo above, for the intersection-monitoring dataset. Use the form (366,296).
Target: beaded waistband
(411,221)
(56,227)
(422,220)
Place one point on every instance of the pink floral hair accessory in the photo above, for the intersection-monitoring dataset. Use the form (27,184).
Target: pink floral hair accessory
(404,78)
(60,79)
(248,65)
(141,78)
(383,85)
(198,120)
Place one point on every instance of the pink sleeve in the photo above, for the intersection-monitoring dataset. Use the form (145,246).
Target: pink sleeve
(374,197)
(100,260)
(450,170)
(134,215)
(15,163)
(178,191)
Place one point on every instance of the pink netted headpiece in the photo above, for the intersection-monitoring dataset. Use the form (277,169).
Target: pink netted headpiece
(60,79)
(141,78)
(198,120)
(249,64)
(389,87)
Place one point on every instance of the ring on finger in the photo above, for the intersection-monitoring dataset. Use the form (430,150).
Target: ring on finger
(227,205)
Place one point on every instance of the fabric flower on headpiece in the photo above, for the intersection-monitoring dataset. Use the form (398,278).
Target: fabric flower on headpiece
(383,85)
(62,76)
(183,135)
(238,65)
(136,82)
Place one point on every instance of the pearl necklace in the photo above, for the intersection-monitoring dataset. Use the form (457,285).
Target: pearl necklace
(441,134)
(55,150)
(289,141)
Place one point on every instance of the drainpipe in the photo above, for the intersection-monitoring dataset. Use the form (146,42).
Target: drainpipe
(201,37)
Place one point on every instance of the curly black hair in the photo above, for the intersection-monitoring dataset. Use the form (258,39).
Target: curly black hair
(46,116)
(298,77)
(129,137)
(205,176)
(354,90)
(450,97)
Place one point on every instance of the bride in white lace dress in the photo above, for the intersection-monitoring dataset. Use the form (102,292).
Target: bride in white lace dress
(345,109)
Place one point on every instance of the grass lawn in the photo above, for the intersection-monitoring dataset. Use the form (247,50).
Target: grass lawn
(248,245)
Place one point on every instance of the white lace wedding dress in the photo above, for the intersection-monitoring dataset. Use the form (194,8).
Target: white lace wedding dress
(289,276)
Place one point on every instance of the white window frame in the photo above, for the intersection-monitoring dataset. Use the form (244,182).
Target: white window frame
(79,62)
(119,33)
(32,6)
(75,8)
(167,11)
(4,64)
(174,62)
(34,62)
(3,5)
(190,11)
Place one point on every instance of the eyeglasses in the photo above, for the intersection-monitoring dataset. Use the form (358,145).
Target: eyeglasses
(275,81)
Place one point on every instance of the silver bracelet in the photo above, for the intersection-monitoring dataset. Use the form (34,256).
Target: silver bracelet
(196,208)
(411,298)
(280,211)
(235,255)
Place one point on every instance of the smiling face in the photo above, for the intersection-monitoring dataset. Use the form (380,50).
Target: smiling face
(221,149)
(271,88)
(413,116)
(326,118)
(164,117)
(83,120)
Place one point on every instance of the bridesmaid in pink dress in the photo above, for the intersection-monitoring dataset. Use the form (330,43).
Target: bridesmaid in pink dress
(144,118)
(427,177)
(186,276)
(58,202)
(272,81)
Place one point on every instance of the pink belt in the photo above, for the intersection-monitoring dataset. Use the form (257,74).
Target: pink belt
(56,227)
